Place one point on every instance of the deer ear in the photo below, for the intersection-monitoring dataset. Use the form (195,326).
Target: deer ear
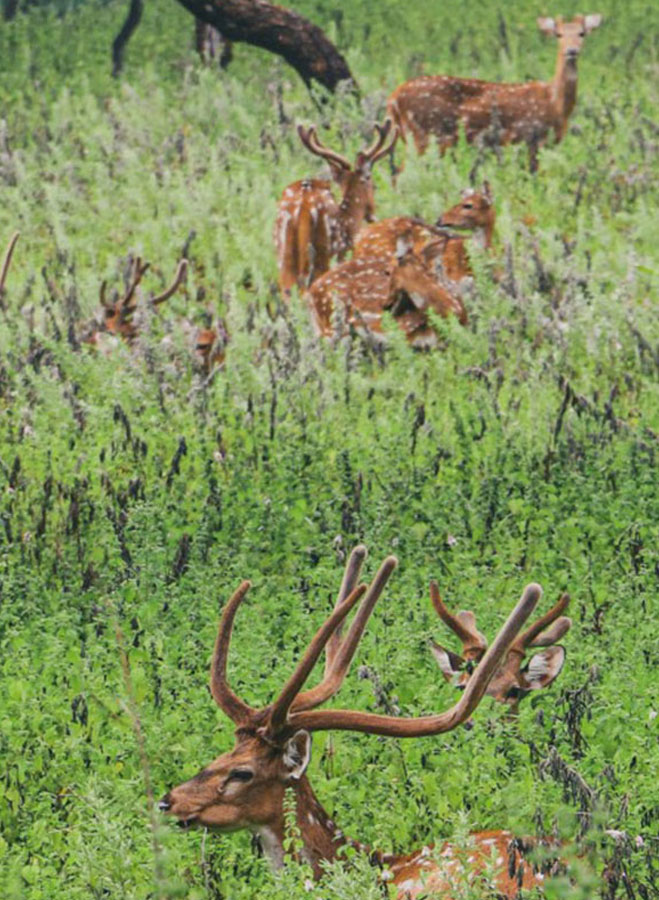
(449,663)
(548,26)
(487,192)
(590,23)
(297,753)
(542,669)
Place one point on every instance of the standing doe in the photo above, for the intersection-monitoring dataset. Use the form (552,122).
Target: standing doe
(500,113)
(311,227)
(245,787)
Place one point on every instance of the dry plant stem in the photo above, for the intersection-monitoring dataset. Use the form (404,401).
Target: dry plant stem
(7,260)
(131,708)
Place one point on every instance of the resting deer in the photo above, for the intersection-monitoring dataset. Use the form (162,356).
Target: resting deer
(358,292)
(501,113)
(311,227)
(245,787)
(510,683)
(474,213)
(118,313)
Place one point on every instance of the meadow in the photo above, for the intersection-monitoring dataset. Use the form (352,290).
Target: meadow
(136,493)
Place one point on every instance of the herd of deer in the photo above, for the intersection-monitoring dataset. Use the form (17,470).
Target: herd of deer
(407,267)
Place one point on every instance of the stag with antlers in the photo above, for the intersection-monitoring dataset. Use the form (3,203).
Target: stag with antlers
(311,227)
(118,313)
(510,683)
(245,787)
(440,105)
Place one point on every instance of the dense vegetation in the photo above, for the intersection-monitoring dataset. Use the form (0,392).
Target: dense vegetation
(135,493)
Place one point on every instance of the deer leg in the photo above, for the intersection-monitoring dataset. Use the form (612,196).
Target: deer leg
(533,146)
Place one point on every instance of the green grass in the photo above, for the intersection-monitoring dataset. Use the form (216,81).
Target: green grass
(297,450)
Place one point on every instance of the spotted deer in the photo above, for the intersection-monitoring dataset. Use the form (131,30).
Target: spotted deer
(439,105)
(358,292)
(510,683)
(311,227)
(118,313)
(474,213)
(245,787)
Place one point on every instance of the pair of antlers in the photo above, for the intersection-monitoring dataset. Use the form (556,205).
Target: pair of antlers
(375,151)
(544,632)
(295,709)
(127,303)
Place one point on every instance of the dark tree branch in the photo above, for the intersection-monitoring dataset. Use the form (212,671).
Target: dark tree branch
(302,44)
(127,29)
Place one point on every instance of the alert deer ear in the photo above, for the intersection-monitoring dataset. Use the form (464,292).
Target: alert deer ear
(449,663)
(542,669)
(487,192)
(590,23)
(297,753)
(548,26)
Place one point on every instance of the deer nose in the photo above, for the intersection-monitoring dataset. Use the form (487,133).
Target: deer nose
(165,804)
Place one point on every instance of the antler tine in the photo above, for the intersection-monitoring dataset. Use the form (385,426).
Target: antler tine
(310,140)
(394,726)
(386,145)
(282,704)
(179,277)
(137,274)
(226,699)
(528,638)
(350,577)
(7,260)
(474,644)
(336,672)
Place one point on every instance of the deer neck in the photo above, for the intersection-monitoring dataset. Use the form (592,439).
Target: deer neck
(352,211)
(321,839)
(564,86)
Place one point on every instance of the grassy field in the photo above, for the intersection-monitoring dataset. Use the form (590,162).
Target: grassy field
(135,495)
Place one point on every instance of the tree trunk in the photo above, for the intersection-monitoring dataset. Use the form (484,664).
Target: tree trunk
(302,44)
(9,9)
(130,24)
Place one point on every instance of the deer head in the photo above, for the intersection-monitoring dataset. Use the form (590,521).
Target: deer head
(475,212)
(244,788)
(570,34)
(355,180)
(511,682)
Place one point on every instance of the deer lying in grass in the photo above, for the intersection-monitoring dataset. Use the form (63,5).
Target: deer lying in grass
(510,683)
(356,294)
(499,113)
(118,313)
(245,787)
(311,227)
(474,213)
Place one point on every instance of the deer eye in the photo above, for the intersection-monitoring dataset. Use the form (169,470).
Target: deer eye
(240,775)
(467,205)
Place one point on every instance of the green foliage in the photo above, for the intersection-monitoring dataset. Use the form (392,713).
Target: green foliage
(132,490)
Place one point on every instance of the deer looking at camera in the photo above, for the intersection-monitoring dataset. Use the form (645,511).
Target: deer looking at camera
(499,113)
(474,213)
(311,227)
(245,787)
(510,683)
(118,313)
(356,294)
